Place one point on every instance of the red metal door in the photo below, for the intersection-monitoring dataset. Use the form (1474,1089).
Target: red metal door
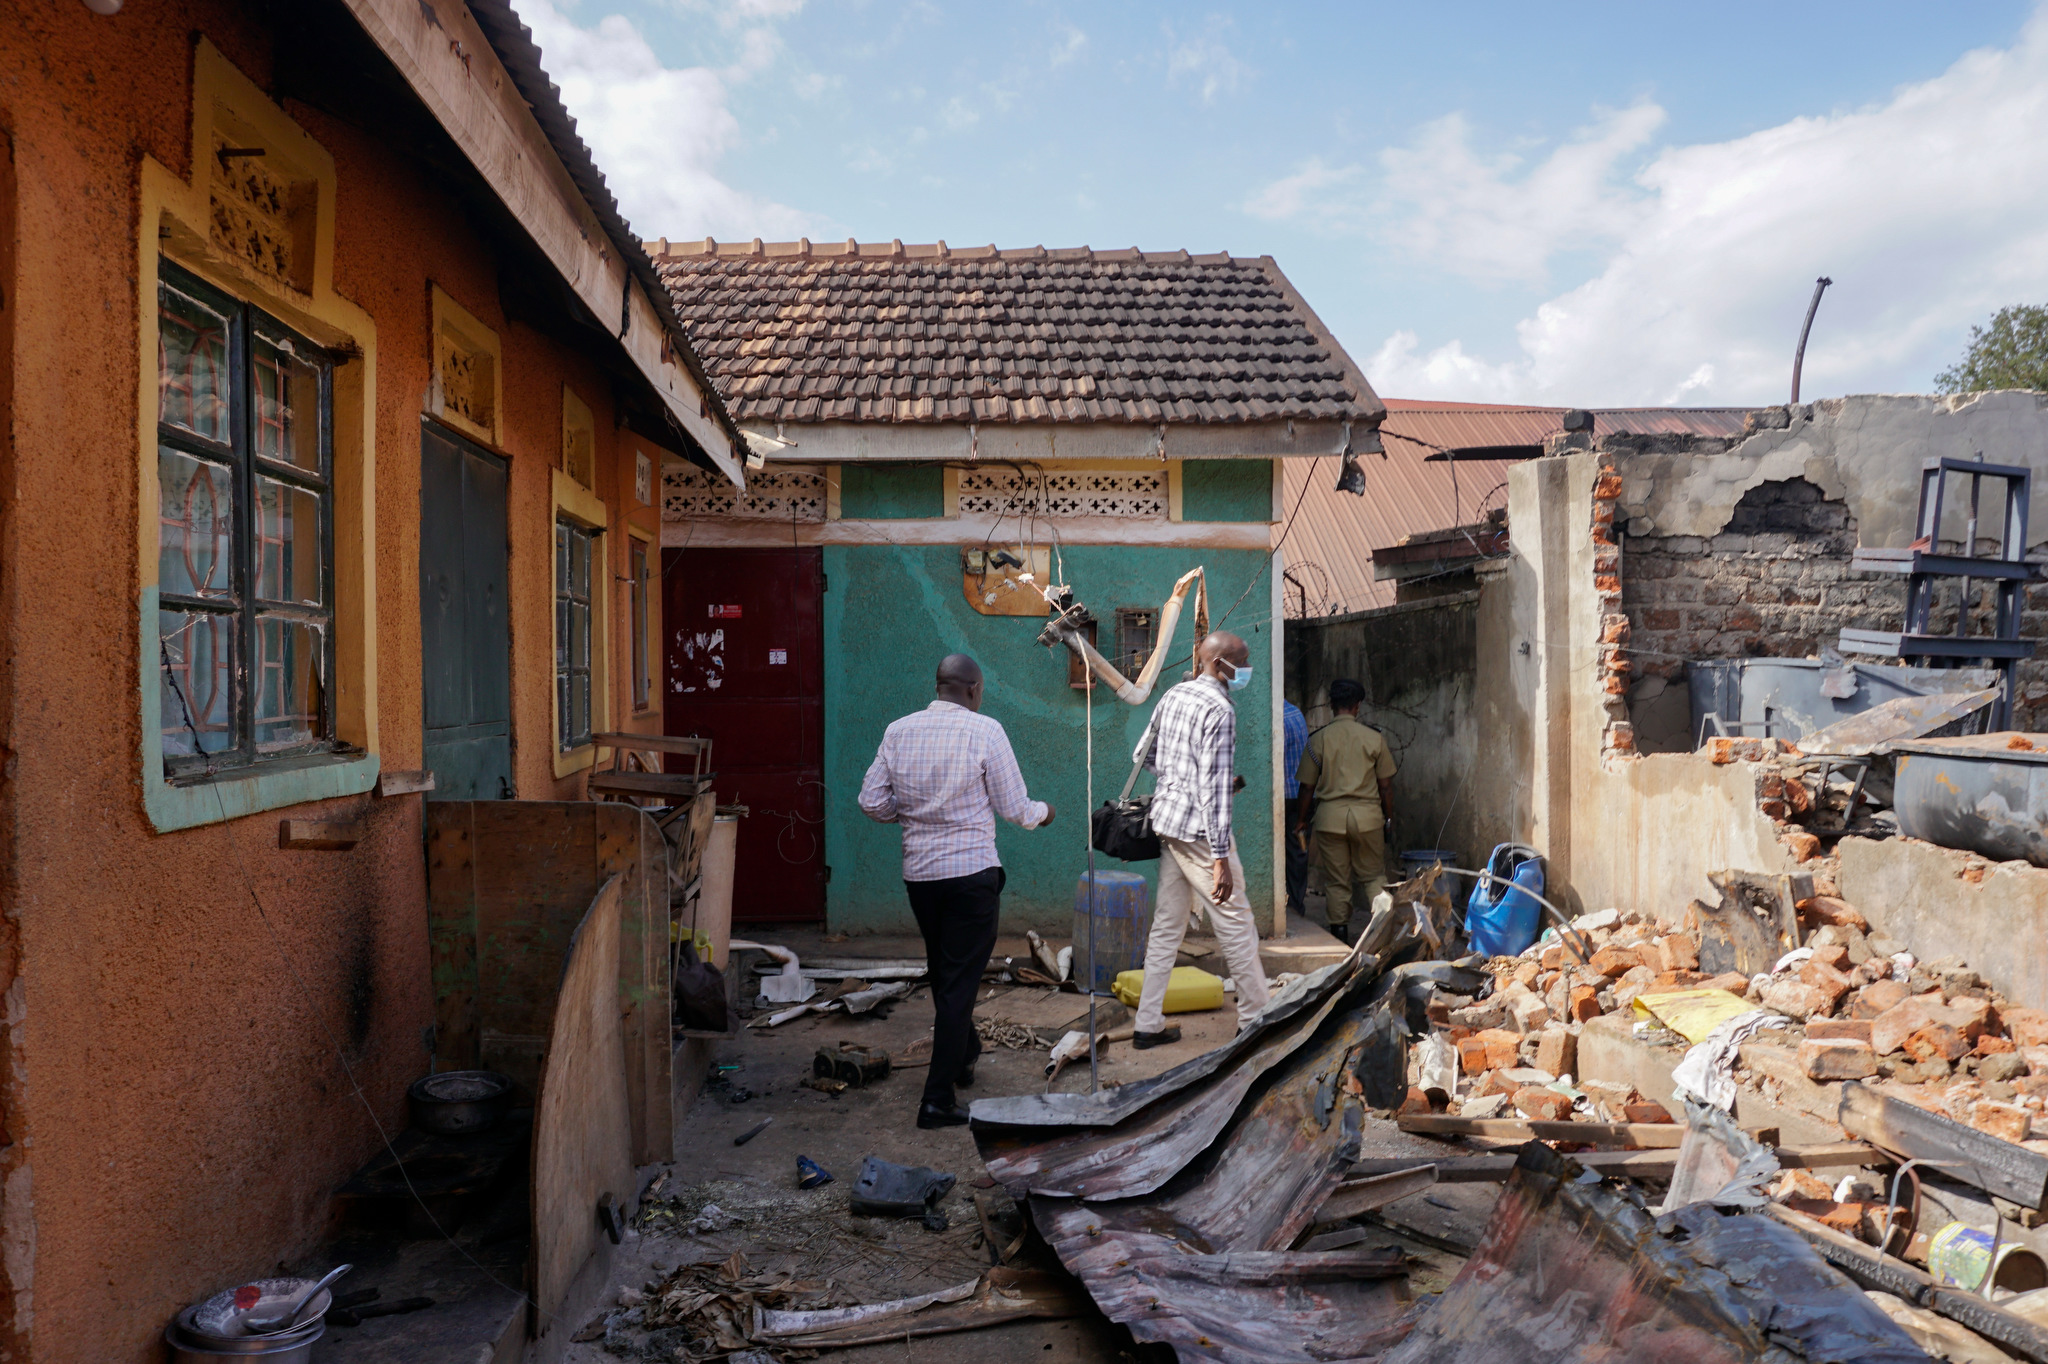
(745,641)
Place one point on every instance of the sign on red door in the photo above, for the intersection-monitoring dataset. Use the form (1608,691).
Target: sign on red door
(746,669)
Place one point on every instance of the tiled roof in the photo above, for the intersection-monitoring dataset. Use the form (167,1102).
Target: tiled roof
(894,333)
(1413,491)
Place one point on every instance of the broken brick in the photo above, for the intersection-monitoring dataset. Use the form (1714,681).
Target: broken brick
(1801,1184)
(1584,1003)
(1827,909)
(1834,954)
(1677,952)
(1876,997)
(1935,1039)
(2008,1122)
(1557,1051)
(1502,1049)
(2028,1027)
(1804,847)
(1472,1055)
(1839,1029)
(1677,980)
(1987,1045)
(1790,995)
(1734,982)
(1529,1012)
(1836,1058)
(1826,979)
(1648,1110)
(1543,1105)
(2003,1067)
(1615,961)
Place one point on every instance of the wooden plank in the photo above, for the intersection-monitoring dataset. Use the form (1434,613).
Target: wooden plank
(1990,1163)
(319,835)
(657,1054)
(450,64)
(535,875)
(678,784)
(404,783)
(1633,1164)
(1640,1135)
(451,935)
(582,1137)
(652,743)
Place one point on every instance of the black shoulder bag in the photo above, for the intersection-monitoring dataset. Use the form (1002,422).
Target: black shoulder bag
(1122,828)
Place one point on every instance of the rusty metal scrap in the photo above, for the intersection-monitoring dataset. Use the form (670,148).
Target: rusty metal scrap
(1571,1270)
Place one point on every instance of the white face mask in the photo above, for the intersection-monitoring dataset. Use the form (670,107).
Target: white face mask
(1242,678)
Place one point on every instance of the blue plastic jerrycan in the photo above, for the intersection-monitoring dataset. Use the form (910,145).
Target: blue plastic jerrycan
(1502,920)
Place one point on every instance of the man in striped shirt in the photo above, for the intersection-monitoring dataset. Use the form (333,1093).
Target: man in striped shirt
(1191,745)
(944,773)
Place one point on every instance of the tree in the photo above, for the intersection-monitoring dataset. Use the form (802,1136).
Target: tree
(2010,353)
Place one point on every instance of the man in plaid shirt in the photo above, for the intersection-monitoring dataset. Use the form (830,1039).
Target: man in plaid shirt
(1191,745)
(944,773)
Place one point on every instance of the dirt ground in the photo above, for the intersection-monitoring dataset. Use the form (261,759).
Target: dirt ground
(810,1236)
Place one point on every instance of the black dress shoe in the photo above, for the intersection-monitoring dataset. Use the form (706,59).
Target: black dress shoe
(965,1079)
(931,1115)
(1342,933)
(1145,1041)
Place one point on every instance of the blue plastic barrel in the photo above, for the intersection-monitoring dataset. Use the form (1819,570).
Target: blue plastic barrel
(1503,920)
(1123,920)
(1418,860)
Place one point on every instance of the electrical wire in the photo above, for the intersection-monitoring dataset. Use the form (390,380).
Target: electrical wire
(1278,545)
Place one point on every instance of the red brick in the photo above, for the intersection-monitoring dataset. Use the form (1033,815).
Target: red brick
(1503,1048)
(1676,980)
(1677,952)
(1616,961)
(1649,1110)
(1544,1105)
(2028,1027)
(1876,997)
(1834,955)
(1935,1039)
(1585,1003)
(1416,1102)
(1607,487)
(1804,847)
(1826,979)
(1987,1045)
(1827,909)
(1720,750)
(1472,1059)
(1836,1059)
(1839,1029)
(1557,1051)
(2008,1122)
(1734,982)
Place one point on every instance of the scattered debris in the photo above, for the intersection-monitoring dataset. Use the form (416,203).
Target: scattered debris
(995,1032)
(810,1174)
(851,1063)
(756,1130)
(885,1189)
(998,1296)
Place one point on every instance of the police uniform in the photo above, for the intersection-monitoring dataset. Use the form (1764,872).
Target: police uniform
(1345,762)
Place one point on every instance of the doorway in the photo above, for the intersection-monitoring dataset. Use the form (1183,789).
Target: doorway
(465,638)
(745,645)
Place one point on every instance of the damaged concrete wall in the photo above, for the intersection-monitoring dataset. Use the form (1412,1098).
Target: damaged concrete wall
(1943,903)
(1740,548)
(1419,663)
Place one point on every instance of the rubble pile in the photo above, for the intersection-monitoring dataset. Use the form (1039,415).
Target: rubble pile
(1856,1005)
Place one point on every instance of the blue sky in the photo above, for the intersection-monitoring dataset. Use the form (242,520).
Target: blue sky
(1597,204)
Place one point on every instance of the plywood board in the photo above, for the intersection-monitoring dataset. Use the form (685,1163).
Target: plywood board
(582,1137)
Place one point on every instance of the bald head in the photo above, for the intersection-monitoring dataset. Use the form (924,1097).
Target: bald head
(960,681)
(1220,655)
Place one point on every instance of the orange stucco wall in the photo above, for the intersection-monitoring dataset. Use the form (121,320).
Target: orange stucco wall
(176,1108)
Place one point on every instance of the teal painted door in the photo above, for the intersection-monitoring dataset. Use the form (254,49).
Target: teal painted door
(465,639)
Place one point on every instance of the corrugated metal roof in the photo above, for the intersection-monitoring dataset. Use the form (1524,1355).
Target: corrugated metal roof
(1329,550)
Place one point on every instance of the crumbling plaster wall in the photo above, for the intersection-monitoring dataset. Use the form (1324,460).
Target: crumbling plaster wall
(1616,829)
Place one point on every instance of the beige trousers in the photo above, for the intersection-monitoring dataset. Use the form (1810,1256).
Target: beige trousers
(1351,856)
(1187,870)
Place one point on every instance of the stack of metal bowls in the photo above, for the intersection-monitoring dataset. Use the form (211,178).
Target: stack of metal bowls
(210,1330)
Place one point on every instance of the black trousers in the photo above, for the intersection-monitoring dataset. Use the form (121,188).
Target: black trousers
(958,919)
(1297,875)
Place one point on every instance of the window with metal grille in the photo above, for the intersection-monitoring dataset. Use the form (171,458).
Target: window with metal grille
(572,633)
(245,534)
(1137,630)
(643,620)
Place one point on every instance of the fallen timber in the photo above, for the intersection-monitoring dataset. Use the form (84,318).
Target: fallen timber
(1659,1164)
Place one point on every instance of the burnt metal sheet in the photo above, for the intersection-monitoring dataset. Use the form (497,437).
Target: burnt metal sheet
(1898,720)
(1783,698)
(1572,1271)
(1963,1153)
(1138,1156)
(1108,1107)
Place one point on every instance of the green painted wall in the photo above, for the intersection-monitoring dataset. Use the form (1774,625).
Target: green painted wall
(892,492)
(1226,490)
(894,611)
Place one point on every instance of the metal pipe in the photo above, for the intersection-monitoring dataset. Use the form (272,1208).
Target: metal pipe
(1564,922)
(1799,356)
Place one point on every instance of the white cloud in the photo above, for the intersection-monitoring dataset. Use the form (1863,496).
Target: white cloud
(1207,58)
(660,132)
(1928,209)
(1072,42)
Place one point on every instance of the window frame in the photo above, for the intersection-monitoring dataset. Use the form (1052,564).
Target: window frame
(568,536)
(247,323)
(640,598)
